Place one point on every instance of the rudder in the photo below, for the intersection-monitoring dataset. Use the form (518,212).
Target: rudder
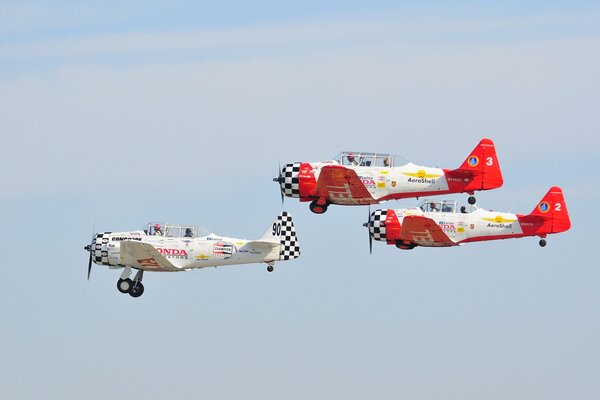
(553,208)
(483,165)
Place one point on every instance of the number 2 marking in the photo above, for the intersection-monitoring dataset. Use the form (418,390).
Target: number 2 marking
(557,207)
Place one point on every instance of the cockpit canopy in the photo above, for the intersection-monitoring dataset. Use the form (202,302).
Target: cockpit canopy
(359,158)
(446,206)
(170,230)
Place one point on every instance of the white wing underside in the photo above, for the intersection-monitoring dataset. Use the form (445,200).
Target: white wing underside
(144,256)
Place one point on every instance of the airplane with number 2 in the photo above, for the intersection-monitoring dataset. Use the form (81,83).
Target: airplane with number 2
(440,224)
(174,248)
(357,178)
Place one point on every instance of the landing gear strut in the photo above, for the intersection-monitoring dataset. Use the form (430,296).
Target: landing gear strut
(133,287)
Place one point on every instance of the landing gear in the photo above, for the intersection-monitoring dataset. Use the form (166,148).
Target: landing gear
(543,242)
(472,200)
(124,285)
(405,246)
(133,286)
(270,268)
(318,208)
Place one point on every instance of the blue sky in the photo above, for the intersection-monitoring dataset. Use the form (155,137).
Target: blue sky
(114,114)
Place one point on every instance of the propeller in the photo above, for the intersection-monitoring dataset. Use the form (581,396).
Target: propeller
(280,180)
(90,249)
(368,226)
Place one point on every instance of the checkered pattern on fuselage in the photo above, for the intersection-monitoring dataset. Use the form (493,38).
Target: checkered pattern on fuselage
(100,248)
(291,184)
(290,248)
(377,225)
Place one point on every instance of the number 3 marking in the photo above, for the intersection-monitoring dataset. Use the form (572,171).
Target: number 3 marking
(489,161)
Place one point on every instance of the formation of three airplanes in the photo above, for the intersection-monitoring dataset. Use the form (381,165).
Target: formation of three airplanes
(352,178)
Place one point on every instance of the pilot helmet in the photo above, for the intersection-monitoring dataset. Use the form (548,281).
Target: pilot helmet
(157,227)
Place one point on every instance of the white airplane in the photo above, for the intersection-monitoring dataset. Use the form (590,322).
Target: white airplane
(174,248)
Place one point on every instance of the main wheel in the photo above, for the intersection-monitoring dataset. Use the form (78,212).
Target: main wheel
(405,246)
(137,289)
(270,268)
(472,200)
(543,242)
(317,208)
(124,285)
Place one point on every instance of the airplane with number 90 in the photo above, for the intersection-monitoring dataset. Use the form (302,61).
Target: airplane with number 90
(440,224)
(355,178)
(174,248)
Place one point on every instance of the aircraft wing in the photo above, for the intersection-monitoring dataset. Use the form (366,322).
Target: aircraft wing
(341,185)
(144,256)
(424,231)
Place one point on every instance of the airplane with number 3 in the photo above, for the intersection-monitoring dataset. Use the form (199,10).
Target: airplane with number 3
(174,248)
(357,178)
(440,224)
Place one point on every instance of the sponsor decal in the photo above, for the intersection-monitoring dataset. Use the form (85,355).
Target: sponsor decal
(121,238)
(421,180)
(499,219)
(201,257)
(393,183)
(367,181)
(421,174)
(472,226)
(173,253)
(544,207)
(503,226)
(460,229)
(383,172)
(380,185)
(447,226)
(473,161)
(223,250)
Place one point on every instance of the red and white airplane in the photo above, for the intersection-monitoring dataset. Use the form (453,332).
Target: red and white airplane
(358,178)
(174,248)
(440,224)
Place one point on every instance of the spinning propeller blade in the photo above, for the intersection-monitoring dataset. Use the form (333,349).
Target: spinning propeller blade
(90,265)
(280,180)
(368,226)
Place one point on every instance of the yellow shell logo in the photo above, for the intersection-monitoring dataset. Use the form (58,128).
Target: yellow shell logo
(499,218)
(421,173)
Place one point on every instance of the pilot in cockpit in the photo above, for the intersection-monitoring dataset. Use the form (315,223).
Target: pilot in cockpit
(188,233)
(157,230)
(351,159)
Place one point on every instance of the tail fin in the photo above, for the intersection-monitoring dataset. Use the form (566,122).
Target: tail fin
(483,166)
(553,209)
(282,231)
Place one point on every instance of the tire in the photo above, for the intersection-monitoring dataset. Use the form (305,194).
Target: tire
(270,268)
(472,200)
(543,242)
(317,208)
(124,285)
(137,289)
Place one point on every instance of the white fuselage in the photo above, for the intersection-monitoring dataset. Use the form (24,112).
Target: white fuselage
(187,253)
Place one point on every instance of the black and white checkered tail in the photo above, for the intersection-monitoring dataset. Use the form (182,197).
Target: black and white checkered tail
(290,186)
(282,231)
(377,224)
